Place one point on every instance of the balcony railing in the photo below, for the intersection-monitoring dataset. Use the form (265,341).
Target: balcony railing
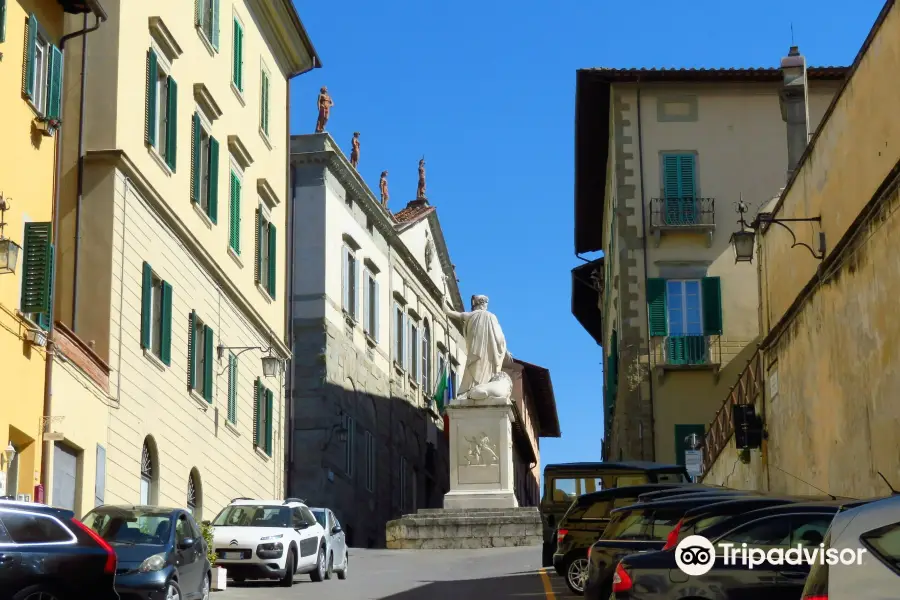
(747,390)
(687,352)
(683,213)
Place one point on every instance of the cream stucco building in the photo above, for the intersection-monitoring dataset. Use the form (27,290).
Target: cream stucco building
(370,340)
(171,259)
(662,159)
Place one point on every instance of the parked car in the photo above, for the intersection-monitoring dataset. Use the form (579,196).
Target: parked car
(335,543)
(563,483)
(636,530)
(269,539)
(656,576)
(583,524)
(694,488)
(161,552)
(874,527)
(48,554)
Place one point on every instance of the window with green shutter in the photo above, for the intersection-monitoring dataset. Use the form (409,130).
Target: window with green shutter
(271,260)
(156,315)
(42,67)
(682,434)
(206,18)
(680,188)
(264,102)
(712,305)
(266,252)
(656,306)
(161,110)
(263,417)
(234,232)
(232,388)
(204,169)
(258,414)
(38,273)
(692,312)
(200,357)
(2,21)
(270,402)
(237,70)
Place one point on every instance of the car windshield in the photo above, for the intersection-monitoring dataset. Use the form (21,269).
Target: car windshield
(130,527)
(249,515)
(320,516)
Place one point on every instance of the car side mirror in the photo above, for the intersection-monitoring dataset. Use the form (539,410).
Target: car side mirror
(301,526)
(336,529)
(186,543)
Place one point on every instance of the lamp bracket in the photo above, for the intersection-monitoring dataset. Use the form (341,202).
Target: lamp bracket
(767,218)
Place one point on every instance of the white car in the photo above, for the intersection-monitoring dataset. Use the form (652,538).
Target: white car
(335,543)
(269,539)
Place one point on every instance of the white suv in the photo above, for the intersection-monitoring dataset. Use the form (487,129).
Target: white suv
(269,539)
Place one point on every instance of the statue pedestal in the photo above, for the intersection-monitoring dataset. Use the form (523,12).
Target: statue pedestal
(481,458)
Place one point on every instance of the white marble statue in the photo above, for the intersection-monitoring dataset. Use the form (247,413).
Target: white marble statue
(486,353)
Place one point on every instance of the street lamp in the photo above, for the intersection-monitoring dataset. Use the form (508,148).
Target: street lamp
(9,250)
(743,241)
(10,455)
(270,364)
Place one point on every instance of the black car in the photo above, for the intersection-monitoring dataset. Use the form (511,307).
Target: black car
(583,524)
(48,554)
(656,575)
(640,528)
(162,553)
(694,488)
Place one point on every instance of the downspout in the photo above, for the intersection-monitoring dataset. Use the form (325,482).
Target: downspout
(646,269)
(51,344)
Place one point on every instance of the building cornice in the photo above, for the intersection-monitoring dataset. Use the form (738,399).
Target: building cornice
(121,161)
(206,101)
(282,28)
(352,182)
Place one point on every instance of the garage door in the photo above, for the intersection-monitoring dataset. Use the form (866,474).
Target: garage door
(65,469)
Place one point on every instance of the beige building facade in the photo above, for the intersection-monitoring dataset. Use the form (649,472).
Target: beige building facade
(171,262)
(662,159)
(827,371)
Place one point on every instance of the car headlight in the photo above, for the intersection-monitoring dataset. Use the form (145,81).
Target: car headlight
(272,537)
(153,563)
(276,547)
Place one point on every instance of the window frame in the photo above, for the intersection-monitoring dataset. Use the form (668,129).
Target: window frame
(426,356)
(157,325)
(41,76)
(399,318)
(350,446)
(265,100)
(201,381)
(371,303)
(263,418)
(414,349)
(265,229)
(211,37)
(237,54)
(685,323)
(233,379)
(207,156)
(350,277)
(235,176)
(164,80)
(370,460)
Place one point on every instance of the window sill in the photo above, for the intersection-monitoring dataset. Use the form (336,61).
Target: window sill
(239,94)
(206,41)
(262,453)
(205,217)
(265,293)
(235,257)
(157,362)
(371,341)
(38,113)
(196,397)
(160,160)
(265,139)
(232,427)
(399,369)
(350,320)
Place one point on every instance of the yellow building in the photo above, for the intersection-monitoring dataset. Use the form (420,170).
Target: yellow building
(826,378)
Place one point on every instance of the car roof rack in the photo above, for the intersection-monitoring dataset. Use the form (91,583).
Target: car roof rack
(289,500)
(242,498)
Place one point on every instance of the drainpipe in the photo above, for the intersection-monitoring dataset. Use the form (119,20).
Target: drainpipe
(646,270)
(292,197)
(99,17)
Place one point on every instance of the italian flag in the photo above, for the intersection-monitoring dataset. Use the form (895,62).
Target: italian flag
(442,393)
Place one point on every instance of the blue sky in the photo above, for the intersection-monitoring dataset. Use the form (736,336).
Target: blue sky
(485,90)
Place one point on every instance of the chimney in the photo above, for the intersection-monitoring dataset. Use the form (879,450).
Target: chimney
(794,97)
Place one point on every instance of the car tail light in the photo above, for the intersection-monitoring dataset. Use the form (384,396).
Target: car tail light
(672,539)
(825,597)
(110,567)
(560,534)
(621,580)
(589,553)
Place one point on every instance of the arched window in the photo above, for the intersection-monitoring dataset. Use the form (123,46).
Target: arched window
(194,495)
(149,475)
(426,358)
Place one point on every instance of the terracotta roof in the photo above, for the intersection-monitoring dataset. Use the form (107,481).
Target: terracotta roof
(413,212)
(705,74)
(544,398)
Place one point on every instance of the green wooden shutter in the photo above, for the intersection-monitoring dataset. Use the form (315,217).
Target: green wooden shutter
(656,306)
(37,268)
(213,184)
(679,176)
(45,318)
(232,388)
(681,432)
(150,100)
(195,158)
(197,8)
(264,103)
(712,305)
(686,177)
(30,43)
(258,240)
(671,187)
(172,124)
(269,410)
(54,90)
(165,315)
(237,58)
(146,306)
(2,21)
(234,232)
(208,363)
(273,260)
(215,23)
(257,413)
(192,343)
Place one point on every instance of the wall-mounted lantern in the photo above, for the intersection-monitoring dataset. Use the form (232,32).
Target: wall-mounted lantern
(271,365)
(9,250)
(743,240)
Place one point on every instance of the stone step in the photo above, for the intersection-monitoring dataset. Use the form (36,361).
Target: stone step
(519,510)
(471,543)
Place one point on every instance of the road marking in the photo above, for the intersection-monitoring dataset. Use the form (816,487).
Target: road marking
(548,587)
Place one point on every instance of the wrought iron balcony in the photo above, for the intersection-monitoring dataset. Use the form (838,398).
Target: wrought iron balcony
(687,352)
(688,214)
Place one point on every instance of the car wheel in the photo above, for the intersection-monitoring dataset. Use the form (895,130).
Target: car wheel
(342,574)
(204,590)
(289,567)
(330,569)
(319,573)
(173,591)
(36,592)
(576,574)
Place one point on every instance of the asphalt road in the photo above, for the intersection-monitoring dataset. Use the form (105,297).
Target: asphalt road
(492,574)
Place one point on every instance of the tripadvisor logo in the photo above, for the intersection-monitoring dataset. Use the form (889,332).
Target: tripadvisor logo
(695,555)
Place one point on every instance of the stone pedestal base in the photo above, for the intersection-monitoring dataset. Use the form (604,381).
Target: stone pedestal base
(462,500)
(466,529)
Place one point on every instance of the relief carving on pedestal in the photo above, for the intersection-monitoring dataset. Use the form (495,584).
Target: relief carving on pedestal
(480,452)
